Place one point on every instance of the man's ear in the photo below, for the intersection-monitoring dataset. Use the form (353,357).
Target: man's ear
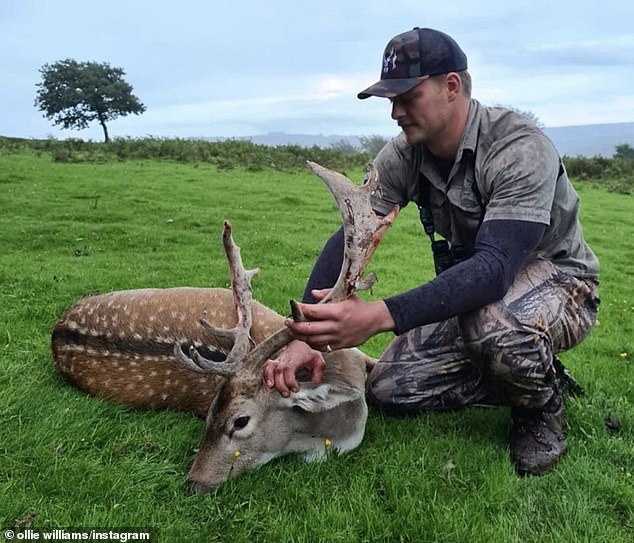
(318,397)
(453,84)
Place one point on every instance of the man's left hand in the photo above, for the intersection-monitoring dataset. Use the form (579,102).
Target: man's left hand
(338,325)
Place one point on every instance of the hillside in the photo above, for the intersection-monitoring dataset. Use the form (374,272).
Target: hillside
(582,140)
(591,139)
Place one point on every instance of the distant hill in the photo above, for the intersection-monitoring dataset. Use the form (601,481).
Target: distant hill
(303,140)
(584,140)
(591,139)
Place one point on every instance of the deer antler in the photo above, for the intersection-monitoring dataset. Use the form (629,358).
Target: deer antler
(363,231)
(240,335)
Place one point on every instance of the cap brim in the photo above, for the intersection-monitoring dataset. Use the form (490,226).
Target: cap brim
(390,88)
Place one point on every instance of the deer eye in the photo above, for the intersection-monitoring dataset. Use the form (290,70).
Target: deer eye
(241,422)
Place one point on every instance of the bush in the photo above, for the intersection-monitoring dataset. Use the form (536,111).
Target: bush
(615,174)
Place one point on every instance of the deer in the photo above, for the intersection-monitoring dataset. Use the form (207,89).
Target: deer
(203,350)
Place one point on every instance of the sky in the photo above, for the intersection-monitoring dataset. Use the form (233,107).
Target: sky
(210,68)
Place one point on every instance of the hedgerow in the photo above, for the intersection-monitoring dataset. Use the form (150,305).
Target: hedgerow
(224,154)
(615,174)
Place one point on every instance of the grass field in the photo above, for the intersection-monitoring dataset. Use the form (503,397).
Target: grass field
(70,460)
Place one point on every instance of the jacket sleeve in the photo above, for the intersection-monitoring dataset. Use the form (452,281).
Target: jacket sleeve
(502,248)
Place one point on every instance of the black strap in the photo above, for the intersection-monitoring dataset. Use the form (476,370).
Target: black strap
(424,208)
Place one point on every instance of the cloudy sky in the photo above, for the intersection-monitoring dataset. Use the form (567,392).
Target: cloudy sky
(226,68)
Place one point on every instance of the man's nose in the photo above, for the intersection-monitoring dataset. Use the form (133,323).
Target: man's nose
(397,111)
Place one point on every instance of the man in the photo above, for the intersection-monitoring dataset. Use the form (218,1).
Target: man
(515,285)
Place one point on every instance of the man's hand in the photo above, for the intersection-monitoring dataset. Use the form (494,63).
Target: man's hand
(338,325)
(330,326)
(282,372)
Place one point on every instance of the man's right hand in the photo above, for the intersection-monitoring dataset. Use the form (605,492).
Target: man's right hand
(281,373)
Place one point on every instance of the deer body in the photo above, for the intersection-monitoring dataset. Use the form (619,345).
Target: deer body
(120,345)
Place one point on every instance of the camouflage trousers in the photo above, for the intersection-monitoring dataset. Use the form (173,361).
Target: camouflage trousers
(499,354)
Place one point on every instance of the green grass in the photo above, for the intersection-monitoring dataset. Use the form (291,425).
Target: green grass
(77,461)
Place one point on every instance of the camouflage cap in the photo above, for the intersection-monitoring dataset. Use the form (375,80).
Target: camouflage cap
(412,56)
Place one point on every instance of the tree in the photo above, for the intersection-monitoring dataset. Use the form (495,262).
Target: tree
(373,144)
(74,94)
(344,146)
(624,151)
(528,114)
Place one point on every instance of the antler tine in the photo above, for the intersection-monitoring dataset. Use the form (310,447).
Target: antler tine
(240,335)
(194,361)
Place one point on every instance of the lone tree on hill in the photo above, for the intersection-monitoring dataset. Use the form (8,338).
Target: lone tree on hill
(73,94)
(624,151)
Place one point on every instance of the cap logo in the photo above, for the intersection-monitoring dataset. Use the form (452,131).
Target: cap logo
(391,58)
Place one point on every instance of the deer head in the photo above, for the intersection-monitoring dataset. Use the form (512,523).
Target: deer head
(247,424)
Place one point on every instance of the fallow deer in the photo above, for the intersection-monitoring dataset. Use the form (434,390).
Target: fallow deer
(203,350)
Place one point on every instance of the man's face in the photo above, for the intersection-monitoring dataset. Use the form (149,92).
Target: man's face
(422,113)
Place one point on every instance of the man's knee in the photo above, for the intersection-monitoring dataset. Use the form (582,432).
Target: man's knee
(393,394)
(381,393)
(518,358)
(485,332)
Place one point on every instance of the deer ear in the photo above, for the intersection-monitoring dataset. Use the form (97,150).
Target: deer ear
(318,397)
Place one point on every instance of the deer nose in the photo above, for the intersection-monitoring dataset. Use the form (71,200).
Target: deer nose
(199,487)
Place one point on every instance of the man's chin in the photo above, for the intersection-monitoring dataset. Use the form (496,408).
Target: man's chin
(412,135)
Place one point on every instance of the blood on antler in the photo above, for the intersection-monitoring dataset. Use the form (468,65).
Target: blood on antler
(363,231)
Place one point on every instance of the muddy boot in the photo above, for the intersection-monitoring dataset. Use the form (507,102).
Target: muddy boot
(537,437)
